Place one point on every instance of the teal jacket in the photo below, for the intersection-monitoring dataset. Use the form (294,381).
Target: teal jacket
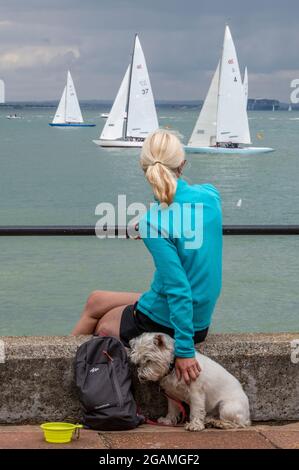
(185,241)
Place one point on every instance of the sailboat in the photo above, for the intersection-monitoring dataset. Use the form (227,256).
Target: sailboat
(133,115)
(68,113)
(222,125)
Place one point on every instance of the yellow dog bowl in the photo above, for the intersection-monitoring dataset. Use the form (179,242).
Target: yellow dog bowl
(60,433)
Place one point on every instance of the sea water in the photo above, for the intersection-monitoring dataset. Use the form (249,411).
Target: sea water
(58,176)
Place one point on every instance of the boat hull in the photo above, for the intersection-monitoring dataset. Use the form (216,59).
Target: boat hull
(71,124)
(228,151)
(118,143)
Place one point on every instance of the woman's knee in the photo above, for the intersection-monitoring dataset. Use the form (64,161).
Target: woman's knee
(95,301)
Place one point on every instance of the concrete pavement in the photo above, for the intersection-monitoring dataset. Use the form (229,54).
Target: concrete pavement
(283,436)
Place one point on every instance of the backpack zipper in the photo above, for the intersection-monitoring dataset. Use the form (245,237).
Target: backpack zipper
(116,384)
(115,379)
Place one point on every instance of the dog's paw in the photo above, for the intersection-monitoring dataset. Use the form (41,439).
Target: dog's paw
(195,425)
(168,420)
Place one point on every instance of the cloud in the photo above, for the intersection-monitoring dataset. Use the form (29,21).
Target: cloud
(6,24)
(182,42)
(28,57)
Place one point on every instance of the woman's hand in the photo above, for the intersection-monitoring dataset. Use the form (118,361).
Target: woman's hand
(187,368)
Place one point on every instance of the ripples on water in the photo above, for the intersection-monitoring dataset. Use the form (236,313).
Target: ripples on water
(58,176)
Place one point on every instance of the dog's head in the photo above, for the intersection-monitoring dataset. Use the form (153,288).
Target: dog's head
(152,353)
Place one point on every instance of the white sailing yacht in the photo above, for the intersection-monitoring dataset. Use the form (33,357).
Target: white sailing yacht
(133,115)
(222,125)
(68,113)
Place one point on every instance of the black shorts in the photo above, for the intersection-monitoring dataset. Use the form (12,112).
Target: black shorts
(133,323)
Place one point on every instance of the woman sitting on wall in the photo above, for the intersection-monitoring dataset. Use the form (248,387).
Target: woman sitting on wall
(187,281)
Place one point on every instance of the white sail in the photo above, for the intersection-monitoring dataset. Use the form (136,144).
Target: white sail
(142,117)
(73,111)
(59,117)
(245,85)
(114,126)
(2,92)
(204,132)
(232,120)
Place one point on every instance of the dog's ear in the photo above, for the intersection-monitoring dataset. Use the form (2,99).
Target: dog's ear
(159,341)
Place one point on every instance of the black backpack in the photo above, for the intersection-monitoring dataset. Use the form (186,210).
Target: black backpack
(103,380)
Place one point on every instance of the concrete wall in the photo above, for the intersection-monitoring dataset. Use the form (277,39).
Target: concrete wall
(36,379)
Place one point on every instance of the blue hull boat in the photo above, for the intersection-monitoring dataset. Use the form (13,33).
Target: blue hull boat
(71,124)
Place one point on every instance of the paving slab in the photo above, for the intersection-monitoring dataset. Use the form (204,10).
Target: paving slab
(209,439)
(277,426)
(282,439)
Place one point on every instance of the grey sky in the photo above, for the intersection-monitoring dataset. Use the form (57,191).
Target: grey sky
(182,39)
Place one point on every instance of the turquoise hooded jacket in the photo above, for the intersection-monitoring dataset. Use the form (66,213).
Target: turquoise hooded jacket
(185,241)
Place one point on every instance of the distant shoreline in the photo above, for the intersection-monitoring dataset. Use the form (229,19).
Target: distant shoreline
(253,104)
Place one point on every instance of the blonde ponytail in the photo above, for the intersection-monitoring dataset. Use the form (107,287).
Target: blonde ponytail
(162,154)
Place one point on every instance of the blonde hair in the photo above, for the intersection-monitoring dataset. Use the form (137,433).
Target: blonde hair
(161,155)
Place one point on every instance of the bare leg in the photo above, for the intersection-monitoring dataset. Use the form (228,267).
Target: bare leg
(98,304)
(109,324)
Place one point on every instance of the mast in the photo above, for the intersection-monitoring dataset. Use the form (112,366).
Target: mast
(129,90)
(220,72)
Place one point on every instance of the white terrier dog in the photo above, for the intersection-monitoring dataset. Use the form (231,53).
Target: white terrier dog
(215,398)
